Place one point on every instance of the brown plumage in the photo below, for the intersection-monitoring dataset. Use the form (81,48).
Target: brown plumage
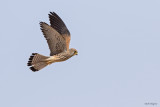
(58,39)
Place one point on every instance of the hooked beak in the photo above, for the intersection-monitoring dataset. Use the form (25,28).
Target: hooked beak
(76,53)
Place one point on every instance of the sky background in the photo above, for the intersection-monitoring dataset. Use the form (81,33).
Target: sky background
(119,54)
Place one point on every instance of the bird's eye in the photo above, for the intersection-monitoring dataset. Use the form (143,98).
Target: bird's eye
(75,53)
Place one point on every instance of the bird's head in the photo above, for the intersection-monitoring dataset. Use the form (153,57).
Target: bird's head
(73,51)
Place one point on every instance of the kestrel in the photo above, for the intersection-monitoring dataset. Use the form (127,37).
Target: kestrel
(58,39)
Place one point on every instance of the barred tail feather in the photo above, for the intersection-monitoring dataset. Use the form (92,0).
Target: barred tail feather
(37,62)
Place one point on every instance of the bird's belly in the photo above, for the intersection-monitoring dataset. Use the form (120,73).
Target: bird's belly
(56,58)
(61,58)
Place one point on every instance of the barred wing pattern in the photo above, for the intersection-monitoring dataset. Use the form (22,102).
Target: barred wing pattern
(56,42)
(57,23)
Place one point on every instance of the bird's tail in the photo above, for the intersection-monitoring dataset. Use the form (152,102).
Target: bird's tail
(37,62)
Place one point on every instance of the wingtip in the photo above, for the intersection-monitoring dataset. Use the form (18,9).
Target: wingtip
(52,13)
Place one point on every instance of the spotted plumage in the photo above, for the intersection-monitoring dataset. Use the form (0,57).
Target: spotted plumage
(58,39)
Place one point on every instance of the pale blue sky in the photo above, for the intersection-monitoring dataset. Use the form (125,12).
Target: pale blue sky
(119,54)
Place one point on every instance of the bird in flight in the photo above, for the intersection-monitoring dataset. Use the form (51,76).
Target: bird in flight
(58,39)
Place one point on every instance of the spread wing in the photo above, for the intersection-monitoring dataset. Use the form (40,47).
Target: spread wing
(56,42)
(57,23)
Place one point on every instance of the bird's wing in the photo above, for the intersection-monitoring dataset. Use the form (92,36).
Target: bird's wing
(57,23)
(56,42)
